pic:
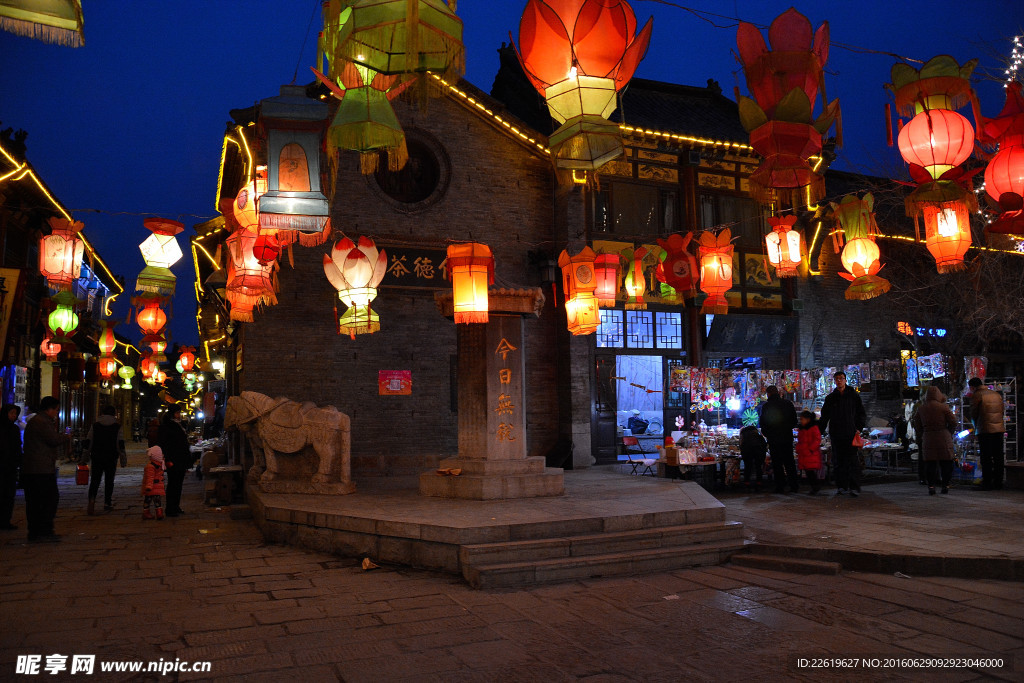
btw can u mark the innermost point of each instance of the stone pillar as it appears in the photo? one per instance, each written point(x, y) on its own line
point(492, 461)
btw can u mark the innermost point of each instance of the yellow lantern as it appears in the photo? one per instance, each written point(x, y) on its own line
point(60, 253)
point(355, 271)
point(784, 246)
point(579, 282)
point(471, 268)
point(635, 281)
point(860, 256)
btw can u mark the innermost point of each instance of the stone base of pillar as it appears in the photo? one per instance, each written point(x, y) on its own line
point(493, 479)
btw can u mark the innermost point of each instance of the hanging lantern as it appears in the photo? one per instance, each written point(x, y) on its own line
point(784, 245)
point(1004, 175)
point(578, 284)
point(106, 341)
point(715, 254)
point(355, 270)
point(150, 317)
point(244, 208)
point(860, 256)
point(606, 268)
point(266, 249)
point(780, 118)
point(50, 348)
point(471, 268)
point(947, 234)
point(126, 373)
point(157, 343)
point(63, 320)
point(107, 366)
point(160, 376)
point(242, 309)
point(678, 270)
point(394, 37)
point(60, 253)
point(579, 55)
point(147, 366)
point(937, 140)
point(292, 125)
point(248, 276)
point(187, 358)
point(635, 281)
point(160, 251)
point(58, 22)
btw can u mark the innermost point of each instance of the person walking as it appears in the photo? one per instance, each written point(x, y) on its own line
point(778, 418)
point(10, 461)
point(173, 443)
point(989, 426)
point(935, 424)
point(808, 449)
point(753, 450)
point(44, 444)
point(104, 446)
point(843, 416)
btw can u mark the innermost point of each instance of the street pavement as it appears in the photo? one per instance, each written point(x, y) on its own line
point(205, 587)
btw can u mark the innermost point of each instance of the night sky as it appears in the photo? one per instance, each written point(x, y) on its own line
point(131, 124)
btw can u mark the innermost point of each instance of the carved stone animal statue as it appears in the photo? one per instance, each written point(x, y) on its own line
point(276, 426)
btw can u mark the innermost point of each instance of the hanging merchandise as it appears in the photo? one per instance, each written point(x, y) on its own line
point(160, 251)
point(292, 127)
point(126, 373)
point(780, 118)
point(471, 268)
point(579, 54)
point(578, 284)
point(1004, 175)
point(934, 143)
point(355, 270)
point(715, 253)
point(678, 269)
point(860, 255)
point(635, 280)
point(60, 253)
point(784, 245)
point(606, 268)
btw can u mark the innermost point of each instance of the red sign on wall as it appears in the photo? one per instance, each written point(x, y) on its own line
point(394, 382)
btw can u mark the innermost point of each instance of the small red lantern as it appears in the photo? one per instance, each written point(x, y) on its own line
point(157, 343)
point(937, 140)
point(150, 317)
point(606, 268)
point(60, 253)
point(471, 266)
point(266, 249)
point(107, 366)
point(50, 348)
point(248, 276)
point(187, 358)
point(147, 366)
point(679, 269)
point(715, 253)
point(1004, 176)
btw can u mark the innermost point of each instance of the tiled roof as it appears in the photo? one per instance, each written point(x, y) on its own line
point(683, 109)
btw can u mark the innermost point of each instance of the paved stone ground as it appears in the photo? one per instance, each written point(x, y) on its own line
point(205, 587)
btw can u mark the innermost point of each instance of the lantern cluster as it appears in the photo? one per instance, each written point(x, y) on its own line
point(784, 82)
point(355, 270)
point(579, 282)
point(860, 254)
point(934, 143)
point(1004, 175)
point(579, 55)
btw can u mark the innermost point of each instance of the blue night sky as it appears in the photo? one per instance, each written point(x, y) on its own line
point(131, 124)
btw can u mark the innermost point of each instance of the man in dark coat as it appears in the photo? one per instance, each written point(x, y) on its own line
point(44, 444)
point(105, 446)
point(778, 419)
point(843, 415)
point(173, 441)
point(10, 461)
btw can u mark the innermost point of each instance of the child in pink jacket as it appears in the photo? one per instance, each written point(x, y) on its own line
point(153, 484)
point(808, 449)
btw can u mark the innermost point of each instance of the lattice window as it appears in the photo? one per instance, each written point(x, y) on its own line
point(609, 332)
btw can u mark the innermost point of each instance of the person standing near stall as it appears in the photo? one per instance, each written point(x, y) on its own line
point(935, 424)
point(778, 419)
point(843, 415)
point(44, 444)
point(989, 425)
point(173, 442)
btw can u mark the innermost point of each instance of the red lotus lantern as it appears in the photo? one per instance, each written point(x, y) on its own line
point(471, 266)
point(784, 246)
point(860, 256)
point(578, 283)
point(60, 253)
point(187, 358)
point(50, 348)
point(937, 140)
point(606, 269)
point(578, 55)
point(150, 317)
point(107, 366)
point(780, 119)
point(635, 280)
point(715, 254)
point(678, 270)
point(1004, 176)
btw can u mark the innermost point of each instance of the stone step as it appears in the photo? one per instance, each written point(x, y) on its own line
point(792, 565)
point(510, 552)
point(593, 566)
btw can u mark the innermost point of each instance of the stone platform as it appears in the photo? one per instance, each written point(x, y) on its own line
point(605, 524)
point(492, 479)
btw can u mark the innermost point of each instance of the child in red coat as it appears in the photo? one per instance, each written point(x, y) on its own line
point(153, 484)
point(808, 449)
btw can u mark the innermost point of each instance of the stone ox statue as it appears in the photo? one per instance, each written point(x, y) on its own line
point(275, 426)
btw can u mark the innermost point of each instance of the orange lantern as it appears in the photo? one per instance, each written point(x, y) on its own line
point(107, 366)
point(471, 268)
point(160, 377)
point(635, 280)
point(937, 140)
point(157, 343)
point(579, 283)
point(60, 253)
point(784, 245)
point(606, 269)
point(248, 276)
point(147, 366)
point(150, 317)
point(947, 229)
point(715, 254)
point(50, 348)
point(1004, 175)
point(860, 256)
point(187, 358)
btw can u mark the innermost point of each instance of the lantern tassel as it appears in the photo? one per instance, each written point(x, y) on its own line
point(291, 257)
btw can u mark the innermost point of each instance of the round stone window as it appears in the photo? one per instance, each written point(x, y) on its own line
point(421, 182)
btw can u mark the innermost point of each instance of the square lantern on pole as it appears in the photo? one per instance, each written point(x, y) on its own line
point(293, 125)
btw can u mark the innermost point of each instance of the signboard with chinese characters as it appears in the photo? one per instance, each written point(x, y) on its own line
point(753, 334)
point(394, 382)
point(505, 399)
point(414, 267)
